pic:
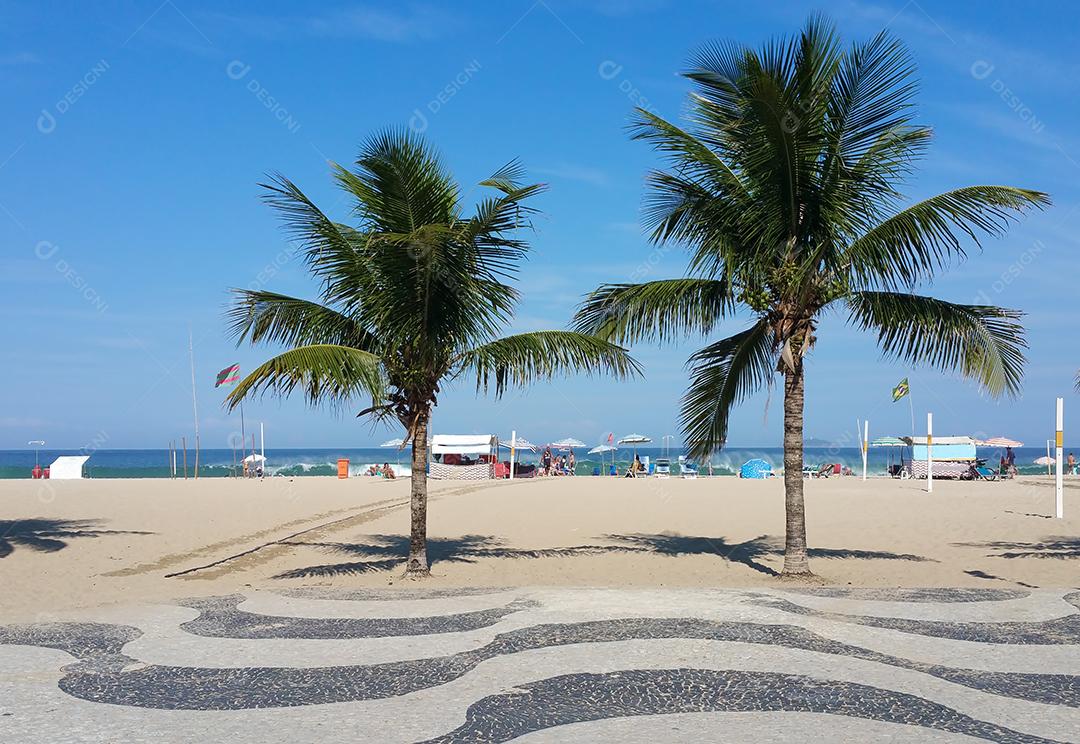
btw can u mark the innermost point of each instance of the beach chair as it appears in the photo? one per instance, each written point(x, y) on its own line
point(663, 468)
point(612, 470)
point(981, 472)
point(687, 469)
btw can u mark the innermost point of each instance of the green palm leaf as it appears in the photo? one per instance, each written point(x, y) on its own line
point(524, 358)
point(260, 316)
point(984, 343)
point(722, 375)
point(907, 247)
point(322, 372)
point(662, 310)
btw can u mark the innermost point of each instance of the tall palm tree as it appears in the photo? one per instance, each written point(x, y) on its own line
point(412, 297)
point(785, 186)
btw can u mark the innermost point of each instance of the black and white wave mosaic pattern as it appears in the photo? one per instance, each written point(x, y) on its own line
point(495, 665)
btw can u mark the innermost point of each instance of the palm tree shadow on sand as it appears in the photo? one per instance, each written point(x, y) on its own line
point(49, 535)
point(384, 552)
point(1050, 547)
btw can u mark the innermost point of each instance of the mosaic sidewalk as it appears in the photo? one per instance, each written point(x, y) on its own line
point(545, 665)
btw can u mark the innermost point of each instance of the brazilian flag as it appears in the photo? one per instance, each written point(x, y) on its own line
point(900, 390)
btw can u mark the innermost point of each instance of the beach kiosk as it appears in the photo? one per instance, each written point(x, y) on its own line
point(68, 467)
point(463, 456)
point(953, 456)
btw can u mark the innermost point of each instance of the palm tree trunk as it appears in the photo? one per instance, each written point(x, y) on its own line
point(417, 566)
point(795, 560)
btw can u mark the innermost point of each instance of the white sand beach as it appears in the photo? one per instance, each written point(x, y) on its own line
point(86, 543)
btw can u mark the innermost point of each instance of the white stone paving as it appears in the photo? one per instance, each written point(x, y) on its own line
point(34, 709)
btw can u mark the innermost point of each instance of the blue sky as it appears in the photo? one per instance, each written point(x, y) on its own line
point(135, 133)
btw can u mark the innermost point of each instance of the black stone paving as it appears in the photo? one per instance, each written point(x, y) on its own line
point(100, 675)
point(220, 618)
point(1058, 631)
point(589, 697)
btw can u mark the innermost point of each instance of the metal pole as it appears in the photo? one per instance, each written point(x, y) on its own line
point(865, 444)
point(194, 402)
point(183, 441)
point(1048, 458)
point(929, 453)
point(1060, 442)
point(513, 446)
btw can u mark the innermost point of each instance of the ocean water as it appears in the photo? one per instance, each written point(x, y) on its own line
point(218, 463)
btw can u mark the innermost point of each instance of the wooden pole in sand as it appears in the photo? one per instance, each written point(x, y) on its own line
point(1059, 440)
point(929, 453)
point(865, 444)
point(513, 446)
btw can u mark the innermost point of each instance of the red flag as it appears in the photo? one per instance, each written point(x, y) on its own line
point(611, 437)
point(229, 374)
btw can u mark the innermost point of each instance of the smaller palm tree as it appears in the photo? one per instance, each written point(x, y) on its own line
point(412, 297)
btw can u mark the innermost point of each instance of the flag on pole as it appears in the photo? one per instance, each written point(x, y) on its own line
point(229, 374)
point(611, 437)
point(900, 390)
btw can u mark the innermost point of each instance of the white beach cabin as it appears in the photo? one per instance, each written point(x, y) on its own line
point(68, 467)
point(463, 456)
point(953, 456)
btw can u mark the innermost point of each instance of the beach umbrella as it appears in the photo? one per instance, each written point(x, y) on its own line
point(1000, 442)
point(890, 442)
point(522, 444)
point(1044, 460)
point(567, 443)
point(602, 449)
point(635, 439)
point(755, 468)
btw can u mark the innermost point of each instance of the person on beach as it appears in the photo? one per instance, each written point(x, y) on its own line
point(545, 460)
point(388, 472)
point(1071, 462)
point(1010, 461)
point(571, 462)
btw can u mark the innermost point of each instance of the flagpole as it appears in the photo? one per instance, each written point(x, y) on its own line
point(194, 401)
point(911, 407)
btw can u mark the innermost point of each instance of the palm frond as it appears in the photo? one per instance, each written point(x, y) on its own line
point(524, 358)
point(908, 246)
point(721, 375)
point(324, 373)
point(981, 342)
point(260, 316)
point(662, 310)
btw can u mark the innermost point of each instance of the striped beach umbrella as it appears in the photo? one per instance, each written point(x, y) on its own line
point(1000, 442)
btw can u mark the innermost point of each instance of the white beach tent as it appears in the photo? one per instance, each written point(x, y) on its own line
point(463, 444)
point(69, 467)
